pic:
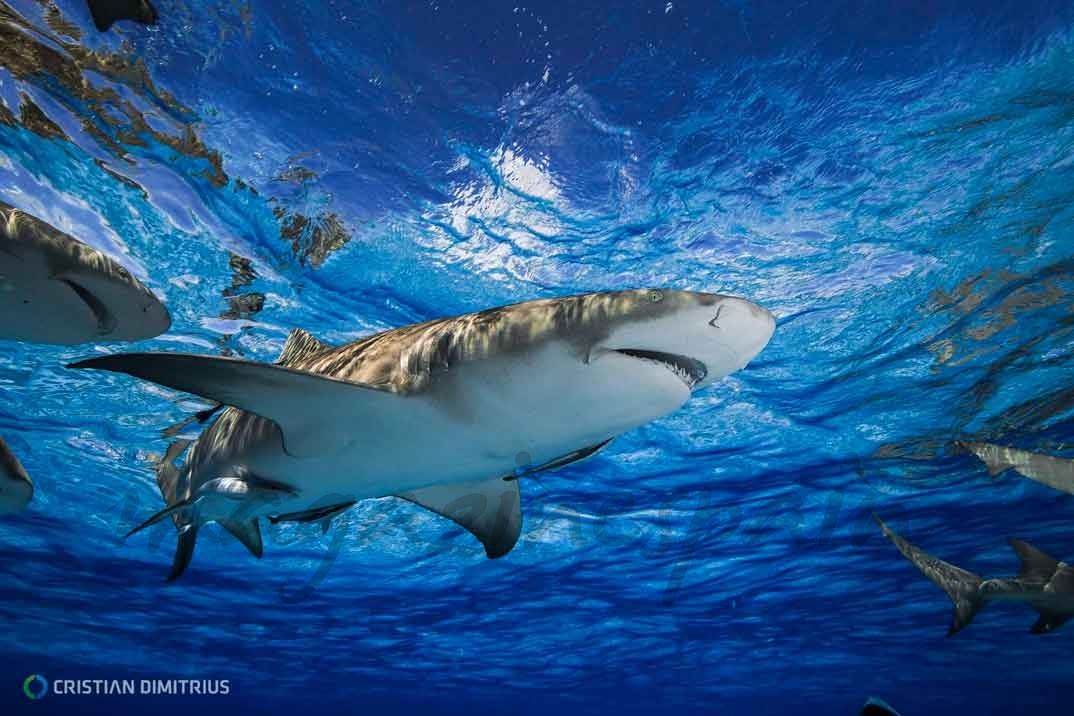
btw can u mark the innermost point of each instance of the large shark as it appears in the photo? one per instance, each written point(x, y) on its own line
point(16, 490)
point(1045, 583)
point(445, 414)
point(56, 289)
point(1055, 472)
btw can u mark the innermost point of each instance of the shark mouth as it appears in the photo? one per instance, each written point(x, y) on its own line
point(689, 370)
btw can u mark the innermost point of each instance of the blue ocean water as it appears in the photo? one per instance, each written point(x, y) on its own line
point(893, 181)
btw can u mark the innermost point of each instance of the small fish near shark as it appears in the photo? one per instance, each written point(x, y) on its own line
point(56, 289)
point(1044, 583)
point(1055, 472)
point(440, 413)
point(107, 12)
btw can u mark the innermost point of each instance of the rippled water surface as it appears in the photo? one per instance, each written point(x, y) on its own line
point(895, 183)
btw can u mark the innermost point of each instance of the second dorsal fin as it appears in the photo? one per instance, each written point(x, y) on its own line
point(1035, 563)
point(300, 344)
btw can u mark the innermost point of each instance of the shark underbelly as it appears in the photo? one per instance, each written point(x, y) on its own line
point(481, 420)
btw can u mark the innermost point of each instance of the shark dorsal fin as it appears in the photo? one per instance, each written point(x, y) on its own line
point(1035, 563)
point(489, 509)
point(299, 345)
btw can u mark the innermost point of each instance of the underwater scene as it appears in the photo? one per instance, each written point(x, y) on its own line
point(507, 357)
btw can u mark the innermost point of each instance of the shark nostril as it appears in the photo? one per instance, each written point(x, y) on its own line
point(714, 322)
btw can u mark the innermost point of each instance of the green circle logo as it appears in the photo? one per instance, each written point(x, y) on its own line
point(35, 687)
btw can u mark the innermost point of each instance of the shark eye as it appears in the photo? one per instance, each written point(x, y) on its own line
point(655, 296)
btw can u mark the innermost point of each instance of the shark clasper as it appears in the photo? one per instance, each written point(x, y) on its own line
point(440, 413)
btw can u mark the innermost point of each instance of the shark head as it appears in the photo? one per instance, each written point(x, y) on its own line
point(56, 289)
point(700, 337)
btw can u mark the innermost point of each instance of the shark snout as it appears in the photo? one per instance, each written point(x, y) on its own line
point(745, 328)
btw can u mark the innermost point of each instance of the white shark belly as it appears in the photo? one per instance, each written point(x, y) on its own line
point(483, 419)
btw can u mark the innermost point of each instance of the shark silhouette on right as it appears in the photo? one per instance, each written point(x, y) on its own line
point(1045, 583)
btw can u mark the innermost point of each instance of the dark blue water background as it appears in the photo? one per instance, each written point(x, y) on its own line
point(893, 181)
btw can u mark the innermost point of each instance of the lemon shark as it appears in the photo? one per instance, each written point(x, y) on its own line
point(446, 414)
point(56, 289)
point(1044, 583)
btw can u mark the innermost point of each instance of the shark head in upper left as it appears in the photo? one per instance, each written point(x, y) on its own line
point(56, 289)
point(445, 414)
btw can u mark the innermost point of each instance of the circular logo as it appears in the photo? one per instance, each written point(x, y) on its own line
point(35, 687)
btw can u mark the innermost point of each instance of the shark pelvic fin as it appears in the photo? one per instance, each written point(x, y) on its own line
point(301, 344)
point(960, 585)
point(1035, 563)
point(297, 401)
point(490, 510)
point(249, 533)
point(1049, 621)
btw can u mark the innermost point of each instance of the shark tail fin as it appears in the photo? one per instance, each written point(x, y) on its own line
point(960, 585)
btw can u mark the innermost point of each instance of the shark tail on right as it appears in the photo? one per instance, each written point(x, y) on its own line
point(961, 586)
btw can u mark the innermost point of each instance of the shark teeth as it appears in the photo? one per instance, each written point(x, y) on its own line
point(689, 370)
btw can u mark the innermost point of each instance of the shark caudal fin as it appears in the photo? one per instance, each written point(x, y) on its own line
point(960, 585)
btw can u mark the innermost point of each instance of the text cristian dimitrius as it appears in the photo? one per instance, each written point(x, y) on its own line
point(120, 687)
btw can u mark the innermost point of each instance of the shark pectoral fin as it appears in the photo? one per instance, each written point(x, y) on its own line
point(1049, 621)
point(248, 533)
point(490, 510)
point(304, 405)
point(1035, 563)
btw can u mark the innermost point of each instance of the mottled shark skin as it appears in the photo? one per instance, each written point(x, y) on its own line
point(16, 490)
point(444, 413)
point(1044, 583)
point(55, 289)
point(107, 12)
point(1055, 472)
